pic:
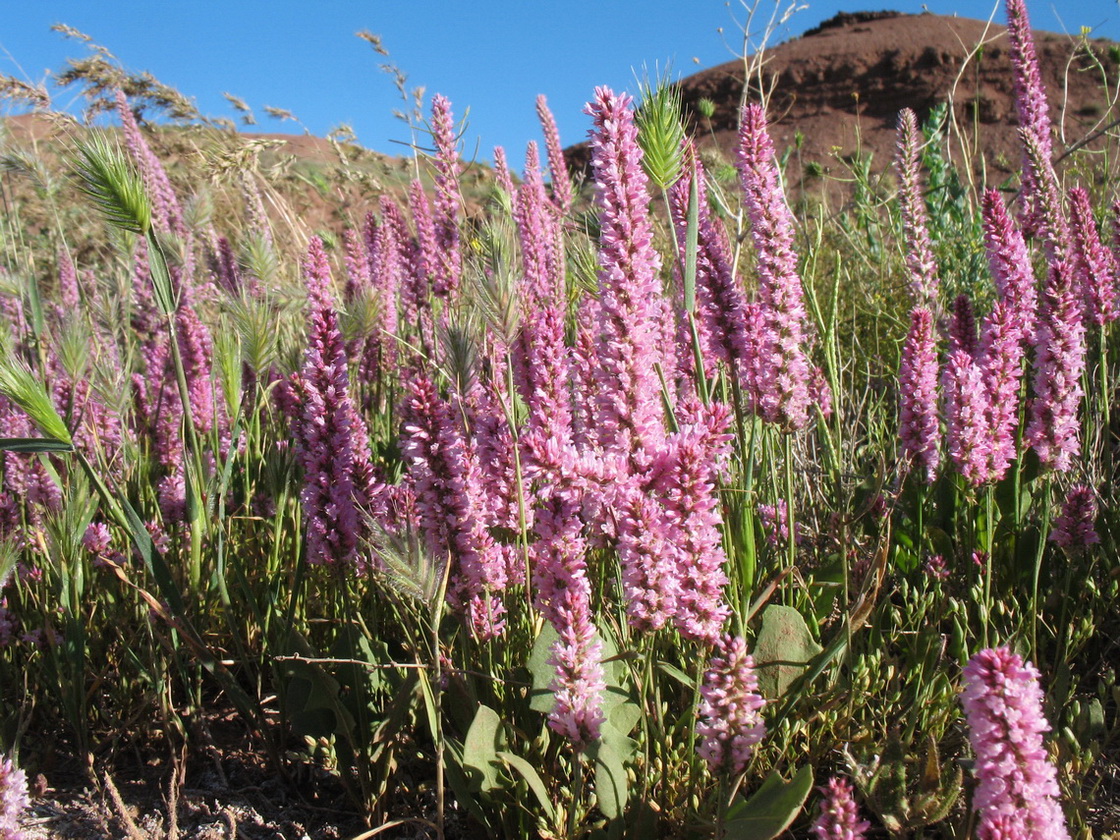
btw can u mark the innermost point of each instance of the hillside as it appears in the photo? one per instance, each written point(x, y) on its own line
point(841, 85)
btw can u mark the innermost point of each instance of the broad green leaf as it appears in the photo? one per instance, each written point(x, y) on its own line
point(460, 785)
point(772, 809)
point(314, 707)
point(480, 750)
point(611, 787)
point(541, 698)
point(782, 649)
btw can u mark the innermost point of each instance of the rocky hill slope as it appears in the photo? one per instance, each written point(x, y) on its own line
point(839, 87)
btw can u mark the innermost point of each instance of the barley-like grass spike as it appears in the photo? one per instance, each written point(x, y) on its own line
point(107, 178)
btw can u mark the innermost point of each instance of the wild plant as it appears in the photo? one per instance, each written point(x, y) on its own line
point(571, 515)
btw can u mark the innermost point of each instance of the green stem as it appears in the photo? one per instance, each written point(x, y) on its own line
point(1043, 535)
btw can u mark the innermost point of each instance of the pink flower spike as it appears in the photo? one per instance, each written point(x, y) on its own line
point(1094, 265)
point(1010, 265)
point(784, 375)
point(557, 166)
point(920, 261)
point(502, 174)
point(1053, 427)
point(919, 428)
point(448, 199)
point(1016, 786)
point(1075, 529)
point(628, 415)
point(839, 815)
point(730, 721)
point(1033, 114)
point(967, 409)
point(332, 442)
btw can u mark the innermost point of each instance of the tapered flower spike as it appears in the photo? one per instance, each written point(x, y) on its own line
point(646, 552)
point(544, 382)
point(387, 271)
point(332, 443)
point(1094, 265)
point(783, 394)
point(1017, 792)
point(920, 262)
point(448, 261)
point(967, 409)
point(1001, 358)
point(444, 475)
point(730, 721)
point(537, 231)
point(1075, 529)
point(962, 326)
point(694, 457)
point(919, 429)
point(721, 303)
point(356, 260)
point(564, 598)
point(1031, 108)
point(839, 815)
point(628, 410)
point(1010, 265)
point(1053, 427)
point(501, 173)
point(68, 292)
point(167, 213)
point(557, 166)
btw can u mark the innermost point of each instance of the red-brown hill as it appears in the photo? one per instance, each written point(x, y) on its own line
point(841, 86)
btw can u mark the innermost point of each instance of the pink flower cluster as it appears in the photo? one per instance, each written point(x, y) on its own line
point(839, 815)
point(721, 302)
point(13, 799)
point(919, 426)
point(1033, 113)
point(628, 413)
point(557, 167)
point(444, 477)
point(1016, 794)
point(920, 262)
point(332, 443)
point(782, 376)
point(730, 723)
point(1075, 528)
point(1053, 426)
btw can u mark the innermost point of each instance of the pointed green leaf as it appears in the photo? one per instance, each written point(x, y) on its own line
point(541, 698)
point(34, 445)
point(533, 779)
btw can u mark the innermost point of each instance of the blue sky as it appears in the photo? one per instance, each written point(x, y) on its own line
point(494, 56)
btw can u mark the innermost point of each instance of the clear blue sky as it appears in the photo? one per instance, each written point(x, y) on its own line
point(494, 56)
